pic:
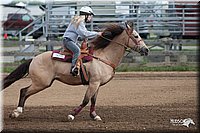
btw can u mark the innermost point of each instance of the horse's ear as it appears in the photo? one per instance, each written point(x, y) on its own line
point(129, 26)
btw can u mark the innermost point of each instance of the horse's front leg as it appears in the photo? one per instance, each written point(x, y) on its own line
point(92, 88)
point(93, 113)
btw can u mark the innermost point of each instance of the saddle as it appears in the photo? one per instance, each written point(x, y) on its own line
point(65, 55)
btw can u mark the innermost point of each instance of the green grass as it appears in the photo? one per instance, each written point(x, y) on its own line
point(157, 68)
point(161, 50)
point(9, 68)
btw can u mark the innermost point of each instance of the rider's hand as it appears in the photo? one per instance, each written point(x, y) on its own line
point(100, 33)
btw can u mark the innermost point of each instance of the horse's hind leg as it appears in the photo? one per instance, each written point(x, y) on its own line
point(24, 94)
point(20, 106)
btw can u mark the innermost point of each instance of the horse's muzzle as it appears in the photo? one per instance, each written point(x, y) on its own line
point(144, 51)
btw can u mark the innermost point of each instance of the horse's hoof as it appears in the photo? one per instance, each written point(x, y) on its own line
point(70, 117)
point(14, 114)
point(97, 118)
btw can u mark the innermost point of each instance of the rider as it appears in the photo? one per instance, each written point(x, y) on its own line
point(77, 29)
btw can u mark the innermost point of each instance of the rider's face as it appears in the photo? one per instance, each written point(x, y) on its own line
point(89, 19)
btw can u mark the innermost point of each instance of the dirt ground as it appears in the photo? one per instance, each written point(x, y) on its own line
point(131, 102)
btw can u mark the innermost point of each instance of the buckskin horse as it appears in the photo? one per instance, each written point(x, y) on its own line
point(108, 52)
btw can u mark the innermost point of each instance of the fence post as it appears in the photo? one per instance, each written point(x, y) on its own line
point(167, 59)
point(182, 58)
point(167, 42)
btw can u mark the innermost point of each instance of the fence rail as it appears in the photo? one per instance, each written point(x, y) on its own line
point(164, 55)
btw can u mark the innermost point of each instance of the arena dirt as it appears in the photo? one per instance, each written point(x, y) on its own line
point(130, 102)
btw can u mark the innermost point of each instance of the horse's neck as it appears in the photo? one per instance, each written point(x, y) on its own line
point(113, 52)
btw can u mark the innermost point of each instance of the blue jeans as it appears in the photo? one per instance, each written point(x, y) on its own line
point(72, 46)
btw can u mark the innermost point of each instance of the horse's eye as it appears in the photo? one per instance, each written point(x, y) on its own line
point(136, 36)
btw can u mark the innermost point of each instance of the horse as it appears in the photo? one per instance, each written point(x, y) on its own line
point(108, 53)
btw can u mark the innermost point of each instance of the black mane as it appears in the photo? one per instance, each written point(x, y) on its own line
point(110, 32)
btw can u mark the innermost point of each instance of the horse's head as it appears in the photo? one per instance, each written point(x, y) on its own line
point(131, 38)
point(135, 42)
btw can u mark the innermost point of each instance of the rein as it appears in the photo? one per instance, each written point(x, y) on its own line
point(104, 61)
point(115, 42)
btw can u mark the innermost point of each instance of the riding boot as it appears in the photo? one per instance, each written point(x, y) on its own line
point(74, 71)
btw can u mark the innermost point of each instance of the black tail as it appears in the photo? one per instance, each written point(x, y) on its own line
point(17, 74)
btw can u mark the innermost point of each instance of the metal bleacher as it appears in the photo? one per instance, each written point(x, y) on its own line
point(164, 18)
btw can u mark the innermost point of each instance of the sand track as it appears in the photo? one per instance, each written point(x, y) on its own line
point(130, 102)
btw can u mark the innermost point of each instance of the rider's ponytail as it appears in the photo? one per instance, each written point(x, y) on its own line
point(77, 19)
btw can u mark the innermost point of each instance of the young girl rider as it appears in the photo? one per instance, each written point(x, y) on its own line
point(76, 29)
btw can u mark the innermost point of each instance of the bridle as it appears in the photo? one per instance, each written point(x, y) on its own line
point(137, 42)
point(129, 33)
point(136, 47)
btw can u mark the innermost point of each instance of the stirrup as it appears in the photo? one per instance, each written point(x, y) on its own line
point(74, 71)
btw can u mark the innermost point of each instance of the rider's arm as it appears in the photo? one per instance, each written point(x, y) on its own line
point(83, 32)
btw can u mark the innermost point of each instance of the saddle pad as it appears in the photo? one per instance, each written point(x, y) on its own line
point(56, 55)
